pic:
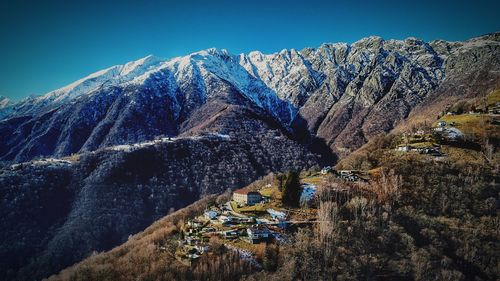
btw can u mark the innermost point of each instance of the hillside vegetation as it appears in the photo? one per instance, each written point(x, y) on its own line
point(90, 165)
point(56, 212)
point(417, 218)
point(150, 255)
point(427, 213)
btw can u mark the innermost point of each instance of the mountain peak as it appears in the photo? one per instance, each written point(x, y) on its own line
point(212, 51)
point(4, 101)
point(277, 72)
point(143, 62)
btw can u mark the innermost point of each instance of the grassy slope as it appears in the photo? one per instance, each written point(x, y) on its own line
point(493, 97)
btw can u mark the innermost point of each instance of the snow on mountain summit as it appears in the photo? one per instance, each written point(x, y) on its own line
point(340, 93)
point(139, 65)
point(4, 101)
point(288, 76)
point(5, 106)
point(107, 77)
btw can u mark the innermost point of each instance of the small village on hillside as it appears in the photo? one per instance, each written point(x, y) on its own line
point(455, 128)
point(254, 216)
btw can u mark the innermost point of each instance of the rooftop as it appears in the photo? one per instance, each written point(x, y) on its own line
point(245, 191)
point(258, 229)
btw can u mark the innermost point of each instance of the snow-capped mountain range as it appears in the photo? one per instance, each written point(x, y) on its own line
point(330, 92)
point(156, 134)
point(287, 76)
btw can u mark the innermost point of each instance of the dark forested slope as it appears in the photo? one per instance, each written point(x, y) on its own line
point(57, 212)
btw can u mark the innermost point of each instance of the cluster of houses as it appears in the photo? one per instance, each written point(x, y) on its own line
point(195, 240)
point(225, 222)
point(419, 137)
point(434, 151)
point(492, 109)
point(495, 109)
point(346, 175)
point(222, 221)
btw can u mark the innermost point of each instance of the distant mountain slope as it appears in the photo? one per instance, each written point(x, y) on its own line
point(56, 212)
point(342, 94)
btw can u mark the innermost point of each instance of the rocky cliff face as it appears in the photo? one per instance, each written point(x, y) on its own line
point(341, 94)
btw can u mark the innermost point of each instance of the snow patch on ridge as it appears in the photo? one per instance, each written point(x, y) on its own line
point(279, 82)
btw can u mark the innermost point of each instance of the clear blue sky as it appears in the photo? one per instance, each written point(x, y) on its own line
point(47, 44)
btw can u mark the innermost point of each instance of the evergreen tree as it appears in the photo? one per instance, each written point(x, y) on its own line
point(280, 180)
point(270, 260)
point(291, 189)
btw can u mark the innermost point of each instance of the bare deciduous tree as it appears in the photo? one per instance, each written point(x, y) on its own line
point(328, 216)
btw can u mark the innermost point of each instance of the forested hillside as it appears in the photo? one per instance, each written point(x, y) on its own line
point(419, 217)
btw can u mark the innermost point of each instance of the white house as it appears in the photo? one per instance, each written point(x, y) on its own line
point(450, 133)
point(192, 241)
point(211, 215)
point(348, 175)
point(202, 248)
point(225, 219)
point(277, 215)
point(420, 132)
point(404, 148)
point(257, 234)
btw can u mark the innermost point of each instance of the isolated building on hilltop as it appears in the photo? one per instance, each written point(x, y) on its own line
point(244, 196)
